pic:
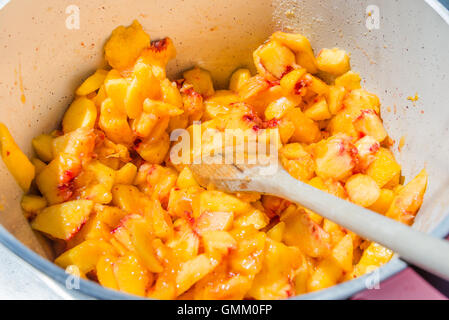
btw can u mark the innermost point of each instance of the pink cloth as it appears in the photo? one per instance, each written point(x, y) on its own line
point(407, 285)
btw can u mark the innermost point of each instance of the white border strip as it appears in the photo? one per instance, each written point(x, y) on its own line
point(3, 3)
point(440, 9)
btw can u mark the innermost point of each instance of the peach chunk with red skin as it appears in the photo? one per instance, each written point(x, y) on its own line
point(275, 280)
point(156, 181)
point(273, 60)
point(408, 201)
point(367, 148)
point(62, 221)
point(335, 157)
point(247, 258)
point(303, 232)
point(273, 205)
point(180, 200)
point(71, 151)
point(370, 124)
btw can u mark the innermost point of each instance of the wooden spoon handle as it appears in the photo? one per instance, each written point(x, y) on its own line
point(418, 248)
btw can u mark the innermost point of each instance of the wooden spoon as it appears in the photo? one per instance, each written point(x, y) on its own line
point(420, 249)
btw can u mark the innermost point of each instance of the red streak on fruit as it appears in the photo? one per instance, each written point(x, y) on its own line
point(151, 170)
point(288, 69)
point(341, 148)
point(273, 123)
point(301, 85)
point(273, 83)
point(189, 217)
point(364, 113)
point(137, 143)
point(179, 83)
point(76, 230)
point(353, 151)
point(249, 117)
point(374, 148)
point(68, 176)
point(8, 153)
point(159, 45)
point(258, 123)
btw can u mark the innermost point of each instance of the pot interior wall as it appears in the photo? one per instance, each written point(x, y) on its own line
point(43, 62)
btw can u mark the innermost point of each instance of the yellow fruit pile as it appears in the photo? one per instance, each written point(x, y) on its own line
point(107, 192)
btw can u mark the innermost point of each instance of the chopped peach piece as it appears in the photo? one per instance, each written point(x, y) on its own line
point(105, 272)
point(304, 233)
point(362, 190)
point(273, 60)
point(217, 241)
point(324, 276)
point(194, 270)
point(143, 85)
point(335, 98)
point(297, 161)
point(334, 61)
point(342, 253)
point(86, 255)
point(370, 124)
point(214, 221)
point(217, 201)
point(373, 257)
point(350, 81)
point(319, 110)
point(238, 79)
point(335, 157)
point(301, 46)
point(383, 168)
point(126, 174)
point(384, 201)
point(114, 123)
point(201, 81)
point(306, 130)
point(63, 220)
point(82, 113)
point(125, 45)
point(291, 82)
point(186, 179)
point(32, 204)
point(274, 281)
point(407, 202)
point(278, 108)
point(277, 232)
point(254, 218)
point(43, 146)
point(132, 277)
point(93, 83)
point(367, 148)
point(247, 259)
point(15, 160)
